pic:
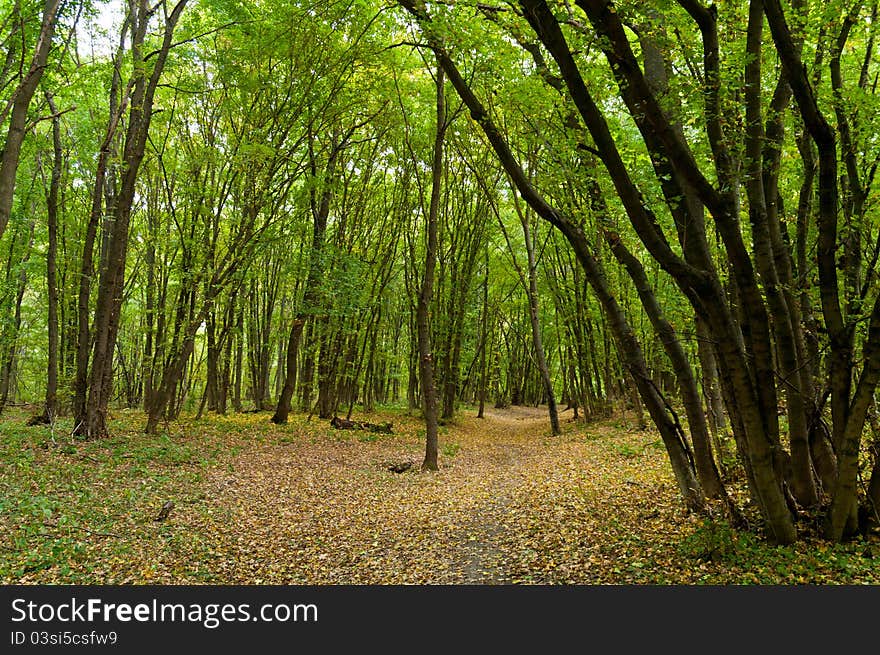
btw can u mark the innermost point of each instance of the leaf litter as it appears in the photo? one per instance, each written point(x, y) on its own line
point(303, 503)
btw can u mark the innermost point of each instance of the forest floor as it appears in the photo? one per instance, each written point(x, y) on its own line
point(304, 503)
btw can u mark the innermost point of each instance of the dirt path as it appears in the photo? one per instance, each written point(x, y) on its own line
point(481, 558)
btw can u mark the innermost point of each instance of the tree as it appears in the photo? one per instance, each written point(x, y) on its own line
point(50, 407)
point(94, 386)
point(426, 359)
point(20, 101)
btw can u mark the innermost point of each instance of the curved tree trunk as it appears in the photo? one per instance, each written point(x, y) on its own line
point(690, 396)
point(21, 100)
point(11, 332)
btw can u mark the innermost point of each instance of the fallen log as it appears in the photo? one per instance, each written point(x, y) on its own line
point(345, 424)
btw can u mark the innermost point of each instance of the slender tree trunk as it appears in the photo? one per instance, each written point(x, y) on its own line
point(535, 321)
point(801, 470)
point(50, 409)
point(239, 360)
point(21, 100)
point(629, 347)
point(484, 334)
point(872, 506)
point(423, 326)
point(229, 331)
point(149, 312)
point(847, 414)
point(10, 356)
point(92, 423)
point(717, 420)
point(331, 347)
point(690, 396)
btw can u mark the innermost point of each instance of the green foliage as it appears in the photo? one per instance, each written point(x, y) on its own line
point(627, 451)
point(747, 559)
point(80, 509)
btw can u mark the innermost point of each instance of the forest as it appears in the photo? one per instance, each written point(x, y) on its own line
point(448, 291)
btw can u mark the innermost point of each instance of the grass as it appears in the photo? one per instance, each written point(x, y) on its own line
point(77, 507)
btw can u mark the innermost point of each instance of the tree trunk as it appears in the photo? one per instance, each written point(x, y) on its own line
point(690, 396)
point(756, 401)
point(50, 409)
point(11, 341)
point(239, 360)
point(21, 100)
point(423, 326)
point(92, 423)
point(717, 420)
point(535, 321)
point(484, 334)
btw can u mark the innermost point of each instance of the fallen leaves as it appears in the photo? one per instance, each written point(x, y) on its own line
point(302, 503)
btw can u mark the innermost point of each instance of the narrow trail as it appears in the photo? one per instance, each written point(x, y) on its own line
point(480, 560)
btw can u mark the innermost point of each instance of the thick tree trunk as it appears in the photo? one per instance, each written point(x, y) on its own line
point(92, 422)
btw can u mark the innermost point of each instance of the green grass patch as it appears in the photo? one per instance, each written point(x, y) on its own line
point(744, 558)
point(74, 511)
